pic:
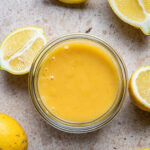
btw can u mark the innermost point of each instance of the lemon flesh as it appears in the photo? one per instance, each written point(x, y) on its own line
point(143, 85)
point(139, 88)
point(12, 136)
point(134, 12)
point(72, 1)
point(20, 47)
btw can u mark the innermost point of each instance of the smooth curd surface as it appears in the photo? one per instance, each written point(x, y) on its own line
point(78, 82)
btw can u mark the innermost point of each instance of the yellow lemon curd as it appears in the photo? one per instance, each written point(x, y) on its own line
point(78, 81)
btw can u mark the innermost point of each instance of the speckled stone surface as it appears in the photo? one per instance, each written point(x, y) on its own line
point(130, 129)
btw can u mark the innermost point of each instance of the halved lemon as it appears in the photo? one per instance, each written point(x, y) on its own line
point(19, 48)
point(72, 1)
point(139, 88)
point(133, 12)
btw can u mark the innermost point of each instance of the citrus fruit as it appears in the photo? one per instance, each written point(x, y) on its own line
point(139, 88)
point(133, 12)
point(19, 48)
point(12, 136)
point(72, 1)
point(144, 149)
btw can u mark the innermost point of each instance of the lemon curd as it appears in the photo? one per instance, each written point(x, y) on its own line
point(78, 81)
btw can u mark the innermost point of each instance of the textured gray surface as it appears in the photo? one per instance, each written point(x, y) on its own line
point(130, 129)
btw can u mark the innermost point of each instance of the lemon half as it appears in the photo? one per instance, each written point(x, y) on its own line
point(139, 88)
point(133, 12)
point(19, 48)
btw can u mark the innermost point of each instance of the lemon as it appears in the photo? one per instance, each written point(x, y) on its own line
point(72, 1)
point(12, 136)
point(144, 149)
point(139, 88)
point(133, 12)
point(19, 48)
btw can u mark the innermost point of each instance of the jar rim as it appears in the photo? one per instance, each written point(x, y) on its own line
point(68, 126)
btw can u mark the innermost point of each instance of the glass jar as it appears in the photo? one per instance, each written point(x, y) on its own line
point(72, 127)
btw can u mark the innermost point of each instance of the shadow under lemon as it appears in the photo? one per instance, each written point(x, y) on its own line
point(16, 82)
point(139, 119)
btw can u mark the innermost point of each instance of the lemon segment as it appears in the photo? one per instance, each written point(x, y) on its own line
point(133, 12)
point(72, 1)
point(20, 47)
point(131, 9)
point(143, 86)
point(12, 136)
point(146, 4)
point(139, 88)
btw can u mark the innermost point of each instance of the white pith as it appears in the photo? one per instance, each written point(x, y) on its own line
point(135, 86)
point(145, 25)
point(5, 63)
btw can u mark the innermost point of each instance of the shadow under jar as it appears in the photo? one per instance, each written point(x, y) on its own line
point(78, 83)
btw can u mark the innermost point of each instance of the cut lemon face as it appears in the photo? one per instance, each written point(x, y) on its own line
point(133, 12)
point(72, 1)
point(139, 88)
point(19, 48)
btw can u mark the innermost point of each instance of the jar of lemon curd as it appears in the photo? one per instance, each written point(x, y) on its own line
point(78, 83)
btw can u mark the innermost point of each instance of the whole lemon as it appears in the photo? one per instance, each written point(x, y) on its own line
point(73, 1)
point(12, 136)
